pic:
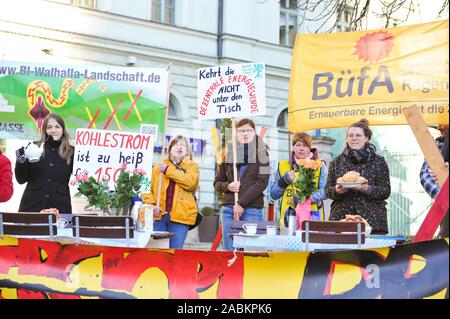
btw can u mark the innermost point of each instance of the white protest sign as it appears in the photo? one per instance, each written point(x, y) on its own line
point(101, 153)
point(229, 91)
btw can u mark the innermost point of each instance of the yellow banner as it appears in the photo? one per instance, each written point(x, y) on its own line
point(339, 78)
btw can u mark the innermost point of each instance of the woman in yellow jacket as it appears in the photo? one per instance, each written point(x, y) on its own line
point(177, 209)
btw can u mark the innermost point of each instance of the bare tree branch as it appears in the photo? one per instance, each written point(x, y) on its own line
point(444, 8)
point(327, 14)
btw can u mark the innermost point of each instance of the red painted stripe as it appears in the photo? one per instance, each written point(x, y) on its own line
point(218, 238)
point(132, 104)
point(327, 290)
point(112, 115)
point(95, 116)
point(434, 216)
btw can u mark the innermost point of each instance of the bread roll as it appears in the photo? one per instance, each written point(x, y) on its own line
point(354, 218)
point(350, 176)
point(361, 179)
point(54, 211)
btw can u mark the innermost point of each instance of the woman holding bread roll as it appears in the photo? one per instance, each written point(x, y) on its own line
point(359, 163)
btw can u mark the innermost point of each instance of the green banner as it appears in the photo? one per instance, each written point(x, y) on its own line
point(86, 96)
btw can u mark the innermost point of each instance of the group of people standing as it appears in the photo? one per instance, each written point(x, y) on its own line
point(177, 178)
point(253, 174)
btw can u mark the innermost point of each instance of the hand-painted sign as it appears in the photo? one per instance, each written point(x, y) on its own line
point(339, 78)
point(44, 269)
point(231, 91)
point(101, 153)
point(86, 96)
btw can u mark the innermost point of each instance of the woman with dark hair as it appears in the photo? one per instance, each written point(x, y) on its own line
point(253, 171)
point(48, 177)
point(369, 199)
point(177, 209)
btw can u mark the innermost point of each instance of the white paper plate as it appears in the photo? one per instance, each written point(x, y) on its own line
point(351, 184)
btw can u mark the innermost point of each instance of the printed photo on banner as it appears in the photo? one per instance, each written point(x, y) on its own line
point(86, 96)
point(339, 78)
point(102, 154)
point(229, 91)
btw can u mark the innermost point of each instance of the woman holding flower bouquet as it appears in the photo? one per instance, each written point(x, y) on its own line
point(360, 159)
point(300, 181)
point(253, 170)
point(180, 176)
point(48, 177)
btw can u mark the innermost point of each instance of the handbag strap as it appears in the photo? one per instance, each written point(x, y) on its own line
point(178, 166)
point(184, 171)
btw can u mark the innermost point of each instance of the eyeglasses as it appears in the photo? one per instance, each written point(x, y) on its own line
point(245, 131)
point(180, 144)
point(355, 135)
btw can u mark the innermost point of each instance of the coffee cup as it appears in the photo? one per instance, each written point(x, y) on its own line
point(33, 152)
point(271, 230)
point(250, 228)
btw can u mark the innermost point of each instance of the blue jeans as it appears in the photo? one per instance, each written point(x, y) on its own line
point(180, 230)
point(226, 217)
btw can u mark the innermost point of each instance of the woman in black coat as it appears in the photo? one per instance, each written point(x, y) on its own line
point(369, 199)
point(48, 178)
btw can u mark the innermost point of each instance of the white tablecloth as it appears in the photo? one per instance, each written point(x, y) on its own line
point(294, 243)
point(140, 239)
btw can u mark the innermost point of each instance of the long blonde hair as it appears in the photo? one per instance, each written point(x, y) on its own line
point(65, 150)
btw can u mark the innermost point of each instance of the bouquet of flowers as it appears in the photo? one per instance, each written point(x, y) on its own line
point(304, 187)
point(96, 192)
point(128, 185)
point(305, 183)
point(99, 195)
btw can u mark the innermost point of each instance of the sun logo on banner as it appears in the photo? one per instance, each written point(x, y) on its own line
point(375, 46)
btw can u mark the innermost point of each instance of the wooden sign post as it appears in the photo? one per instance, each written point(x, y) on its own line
point(233, 137)
point(436, 162)
point(426, 142)
point(163, 150)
